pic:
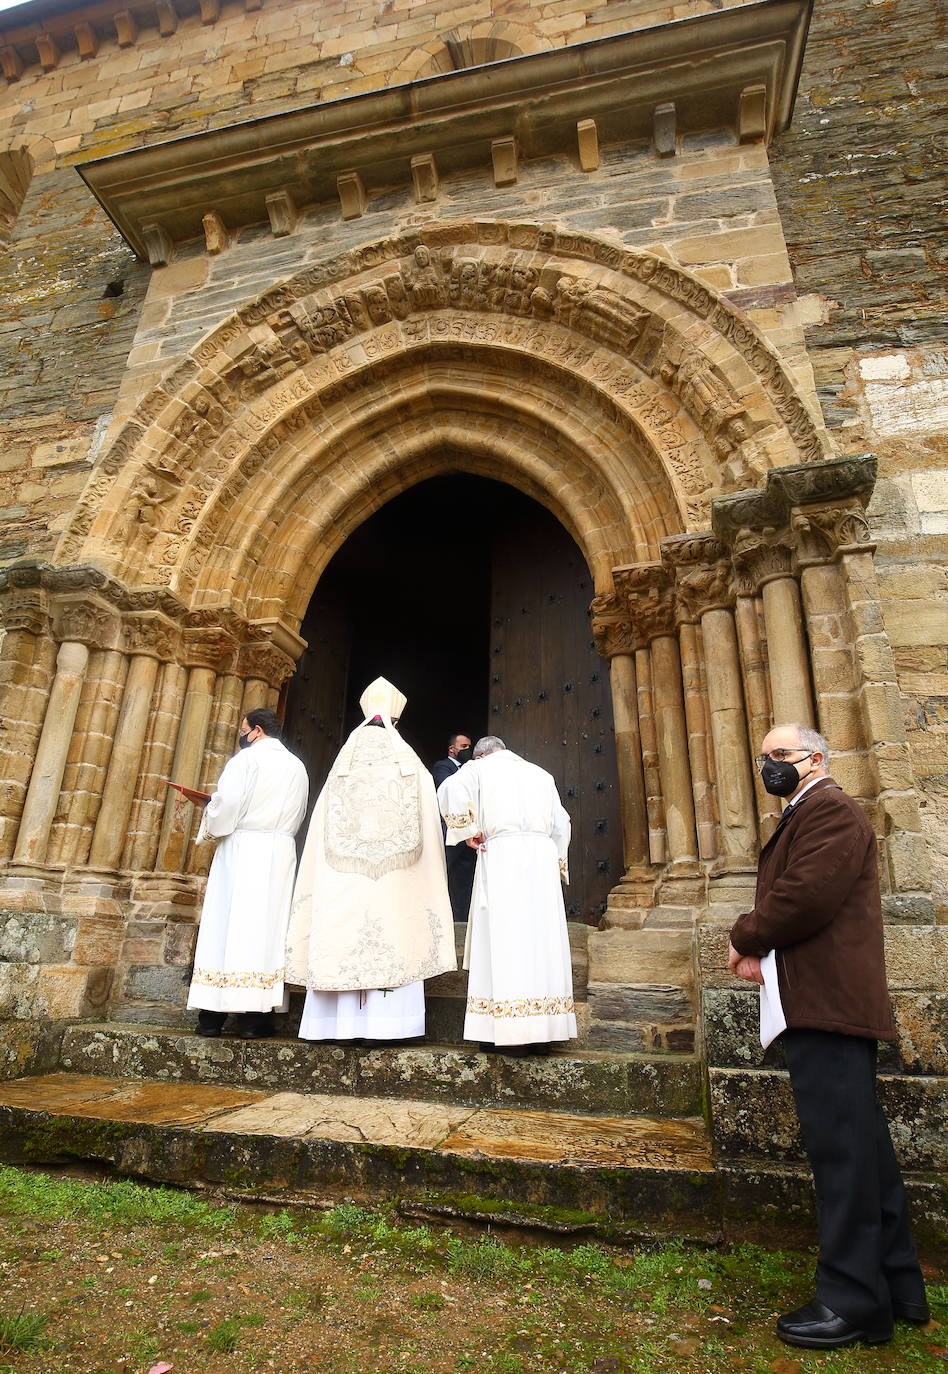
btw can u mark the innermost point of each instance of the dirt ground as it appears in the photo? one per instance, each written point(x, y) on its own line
point(101, 1277)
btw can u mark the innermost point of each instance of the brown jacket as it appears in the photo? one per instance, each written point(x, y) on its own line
point(817, 903)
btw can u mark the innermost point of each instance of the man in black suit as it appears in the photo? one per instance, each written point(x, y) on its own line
point(461, 860)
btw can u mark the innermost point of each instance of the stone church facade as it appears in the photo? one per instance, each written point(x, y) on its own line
point(671, 270)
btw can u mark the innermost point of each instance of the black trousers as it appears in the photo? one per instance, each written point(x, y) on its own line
point(867, 1256)
point(461, 860)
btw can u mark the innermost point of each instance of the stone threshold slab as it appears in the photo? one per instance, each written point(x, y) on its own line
point(548, 1137)
point(572, 1081)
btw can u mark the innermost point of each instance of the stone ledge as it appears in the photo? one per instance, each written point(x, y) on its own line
point(668, 1086)
point(754, 1115)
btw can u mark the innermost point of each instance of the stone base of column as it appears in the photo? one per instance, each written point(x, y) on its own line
point(159, 895)
point(630, 902)
point(730, 892)
point(30, 887)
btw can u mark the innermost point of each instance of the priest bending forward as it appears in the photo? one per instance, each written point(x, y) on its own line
point(257, 809)
point(520, 990)
point(371, 914)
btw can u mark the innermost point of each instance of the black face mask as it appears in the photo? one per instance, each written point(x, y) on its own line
point(464, 755)
point(780, 779)
point(244, 741)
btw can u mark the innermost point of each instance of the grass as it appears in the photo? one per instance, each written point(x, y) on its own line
point(22, 1331)
point(357, 1289)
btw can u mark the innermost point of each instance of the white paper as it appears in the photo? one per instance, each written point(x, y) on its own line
point(772, 1020)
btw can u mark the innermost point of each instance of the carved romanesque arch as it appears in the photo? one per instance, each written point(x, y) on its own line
point(614, 387)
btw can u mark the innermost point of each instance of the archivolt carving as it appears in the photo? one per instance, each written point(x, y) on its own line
point(604, 314)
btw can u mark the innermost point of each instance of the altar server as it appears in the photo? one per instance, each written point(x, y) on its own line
point(255, 812)
point(371, 915)
point(520, 990)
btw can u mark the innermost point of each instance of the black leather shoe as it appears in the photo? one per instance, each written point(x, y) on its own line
point(209, 1032)
point(818, 1328)
point(917, 1312)
point(255, 1033)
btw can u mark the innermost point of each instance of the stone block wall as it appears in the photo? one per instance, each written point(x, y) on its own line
point(860, 185)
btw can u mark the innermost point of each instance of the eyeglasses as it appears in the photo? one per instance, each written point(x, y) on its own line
point(780, 756)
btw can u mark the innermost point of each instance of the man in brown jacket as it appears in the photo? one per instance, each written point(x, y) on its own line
point(818, 907)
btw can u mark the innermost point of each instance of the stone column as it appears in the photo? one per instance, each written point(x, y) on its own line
point(747, 618)
point(27, 664)
point(221, 743)
point(767, 562)
point(151, 795)
point(705, 590)
point(696, 720)
point(148, 639)
point(204, 651)
point(654, 801)
point(49, 765)
point(652, 606)
point(614, 639)
point(86, 767)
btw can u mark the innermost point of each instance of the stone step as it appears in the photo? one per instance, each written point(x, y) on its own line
point(591, 1082)
point(642, 1174)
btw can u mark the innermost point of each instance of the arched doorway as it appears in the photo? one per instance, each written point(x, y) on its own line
point(474, 600)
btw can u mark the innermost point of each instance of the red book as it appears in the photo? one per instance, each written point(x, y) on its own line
point(191, 793)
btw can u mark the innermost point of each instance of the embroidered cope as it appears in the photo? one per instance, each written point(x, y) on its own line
point(371, 908)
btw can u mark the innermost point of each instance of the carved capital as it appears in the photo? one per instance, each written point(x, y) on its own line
point(85, 621)
point(702, 572)
point(151, 634)
point(266, 662)
point(759, 558)
point(824, 532)
point(650, 597)
point(25, 610)
point(210, 647)
point(611, 626)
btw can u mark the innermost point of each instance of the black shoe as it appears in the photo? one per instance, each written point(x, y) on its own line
point(256, 1032)
point(514, 1051)
point(917, 1312)
point(210, 1032)
point(817, 1328)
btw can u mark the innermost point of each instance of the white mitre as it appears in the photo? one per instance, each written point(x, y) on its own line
point(383, 699)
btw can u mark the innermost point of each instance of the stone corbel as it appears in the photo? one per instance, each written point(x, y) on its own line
point(424, 175)
point(126, 29)
point(48, 51)
point(87, 40)
point(283, 213)
point(216, 237)
point(11, 62)
point(167, 18)
point(665, 129)
point(752, 113)
point(210, 11)
point(158, 245)
point(503, 153)
point(587, 137)
point(352, 196)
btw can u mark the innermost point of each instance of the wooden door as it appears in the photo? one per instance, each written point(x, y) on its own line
point(549, 690)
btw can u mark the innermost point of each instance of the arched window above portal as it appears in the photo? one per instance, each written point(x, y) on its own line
point(459, 49)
